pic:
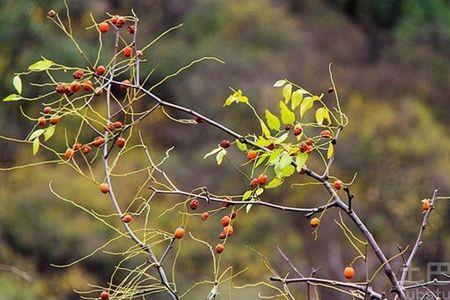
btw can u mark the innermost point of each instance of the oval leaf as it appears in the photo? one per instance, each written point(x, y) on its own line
point(17, 82)
point(287, 116)
point(35, 146)
point(287, 92)
point(279, 83)
point(220, 156)
point(330, 151)
point(297, 97)
point(12, 97)
point(272, 120)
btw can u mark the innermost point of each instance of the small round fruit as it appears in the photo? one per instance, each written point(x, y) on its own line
point(98, 141)
point(104, 187)
point(51, 13)
point(225, 221)
point(125, 84)
point(228, 230)
point(252, 155)
point(139, 53)
point(198, 120)
point(225, 144)
point(120, 22)
point(127, 51)
point(118, 124)
point(337, 184)
point(309, 142)
point(54, 120)
point(262, 179)
point(314, 222)
point(47, 110)
point(194, 204)
point(287, 127)
point(298, 129)
point(179, 233)
point(103, 27)
point(42, 121)
point(100, 70)
point(127, 218)
point(254, 183)
point(349, 272)
point(222, 235)
point(77, 146)
point(233, 215)
point(69, 153)
point(330, 90)
point(131, 29)
point(61, 88)
point(86, 149)
point(75, 86)
point(121, 142)
point(114, 19)
point(219, 248)
point(87, 85)
point(204, 216)
point(325, 134)
point(110, 127)
point(426, 204)
point(104, 295)
point(78, 74)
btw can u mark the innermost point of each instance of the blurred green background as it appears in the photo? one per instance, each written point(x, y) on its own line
point(391, 62)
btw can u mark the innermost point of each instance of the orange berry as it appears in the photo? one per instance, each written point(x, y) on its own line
point(326, 134)
point(87, 85)
point(225, 221)
point(121, 142)
point(127, 218)
point(78, 74)
point(252, 155)
point(61, 88)
point(69, 153)
point(104, 187)
point(204, 216)
point(77, 146)
point(426, 204)
point(103, 27)
point(42, 121)
point(262, 179)
point(139, 53)
point(120, 22)
point(127, 51)
point(86, 149)
point(228, 230)
point(54, 120)
point(98, 141)
point(125, 84)
point(337, 184)
point(118, 124)
point(75, 86)
point(104, 295)
point(219, 248)
point(349, 272)
point(179, 233)
point(254, 183)
point(314, 222)
point(114, 19)
point(100, 70)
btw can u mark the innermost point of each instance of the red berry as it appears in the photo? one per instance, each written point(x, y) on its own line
point(104, 295)
point(86, 149)
point(225, 221)
point(98, 141)
point(77, 146)
point(262, 179)
point(127, 218)
point(104, 187)
point(309, 142)
point(204, 216)
point(118, 124)
point(75, 86)
point(349, 272)
point(47, 110)
point(139, 53)
point(103, 27)
point(228, 230)
point(225, 144)
point(110, 127)
point(219, 248)
point(125, 84)
point(298, 129)
point(254, 183)
point(426, 204)
point(222, 235)
point(61, 88)
point(114, 19)
point(337, 184)
point(100, 70)
point(78, 74)
point(325, 133)
point(252, 155)
point(287, 127)
point(198, 119)
point(127, 51)
point(69, 153)
point(120, 22)
point(87, 85)
point(194, 204)
point(54, 120)
point(233, 215)
point(131, 29)
point(121, 142)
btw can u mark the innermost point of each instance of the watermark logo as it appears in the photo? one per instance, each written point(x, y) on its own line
point(430, 288)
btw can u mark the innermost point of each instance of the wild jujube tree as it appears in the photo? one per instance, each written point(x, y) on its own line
point(106, 101)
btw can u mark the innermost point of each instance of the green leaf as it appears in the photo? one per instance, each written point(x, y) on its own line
point(306, 105)
point(272, 120)
point(274, 183)
point(326, 115)
point(17, 82)
point(248, 207)
point(220, 156)
point(282, 138)
point(300, 160)
point(275, 156)
point(212, 152)
point(36, 134)
point(241, 146)
point(297, 97)
point(279, 83)
point(287, 116)
point(287, 92)
point(36, 146)
point(259, 191)
point(264, 129)
point(330, 151)
point(319, 116)
point(247, 195)
point(237, 96)
point(41, 65)
point(283, 171)
point(261, 159)
point(285, 160)
point(12, 97)
point(49, 132)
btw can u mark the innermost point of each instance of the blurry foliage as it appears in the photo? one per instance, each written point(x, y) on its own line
point(398, 144)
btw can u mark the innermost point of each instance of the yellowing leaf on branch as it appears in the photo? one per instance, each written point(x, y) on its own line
point(330, 151)
point(220, 155)
point(12, 97)
point(264, 129)
point(279, 83)
point(287, 116)
point(237, 97)
point(41, 65)
point(17, 83)
point(272, 120)
point(35, 146)
point(297, 97)
point(287, 92)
